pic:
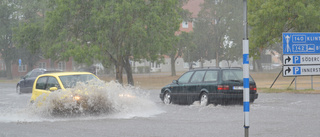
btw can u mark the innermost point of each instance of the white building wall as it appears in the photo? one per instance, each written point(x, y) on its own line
point(182, 66)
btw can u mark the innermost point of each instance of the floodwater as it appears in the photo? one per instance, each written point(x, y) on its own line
point(107, 100)
point(272, 114)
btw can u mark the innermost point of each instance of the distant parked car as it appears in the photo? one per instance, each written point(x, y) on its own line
point(211, 85)
point(91, 69)
point(26, 82)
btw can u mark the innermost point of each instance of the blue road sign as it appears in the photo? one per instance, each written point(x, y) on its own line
point(301, 43)
point(19, 62)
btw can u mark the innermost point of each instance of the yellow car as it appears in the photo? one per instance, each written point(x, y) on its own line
point(61, 85)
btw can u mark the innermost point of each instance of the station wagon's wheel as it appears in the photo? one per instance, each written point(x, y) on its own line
point(204, 99)
point(18, 89)
point(251, 100)
point(167, 98)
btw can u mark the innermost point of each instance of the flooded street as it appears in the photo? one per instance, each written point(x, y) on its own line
point(272, 114)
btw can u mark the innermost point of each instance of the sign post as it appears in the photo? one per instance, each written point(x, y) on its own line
point(246, 94)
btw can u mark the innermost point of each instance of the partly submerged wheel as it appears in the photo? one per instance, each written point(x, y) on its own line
point(167, 98)
point(18, 89)
point(204, 99)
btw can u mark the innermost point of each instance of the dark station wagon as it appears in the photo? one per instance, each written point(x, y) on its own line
point(208, 85)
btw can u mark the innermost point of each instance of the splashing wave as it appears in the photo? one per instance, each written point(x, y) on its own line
point(99, 100)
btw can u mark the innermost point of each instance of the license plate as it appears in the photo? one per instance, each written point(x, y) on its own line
point(237, 87)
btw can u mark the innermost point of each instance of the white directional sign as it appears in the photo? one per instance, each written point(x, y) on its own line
point(301, 60)
point(305, 70)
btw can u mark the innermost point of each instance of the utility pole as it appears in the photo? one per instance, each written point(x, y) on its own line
point(246, 90)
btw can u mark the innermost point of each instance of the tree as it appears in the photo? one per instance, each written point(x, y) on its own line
point(118, 31)
point(216, 20)
point(184, 42)
point(8, 20)
point(28, 35)
point(179, 45)
point(270, 18)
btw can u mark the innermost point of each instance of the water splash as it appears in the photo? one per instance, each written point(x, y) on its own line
point(100, 101)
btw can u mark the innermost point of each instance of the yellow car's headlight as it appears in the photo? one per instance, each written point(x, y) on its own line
point(126, 95)
point(76, 97)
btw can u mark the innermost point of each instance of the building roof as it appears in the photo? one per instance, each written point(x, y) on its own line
point(194, 7)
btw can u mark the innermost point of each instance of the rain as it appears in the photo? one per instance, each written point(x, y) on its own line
point(146, 55)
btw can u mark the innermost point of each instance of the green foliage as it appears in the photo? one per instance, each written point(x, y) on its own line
point(28, 34)
point(8, 20)
point(216, 20)
point(110, 31)
point(270, 18)
point(188, 46)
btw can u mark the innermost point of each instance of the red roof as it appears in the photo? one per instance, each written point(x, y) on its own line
point(193, 6)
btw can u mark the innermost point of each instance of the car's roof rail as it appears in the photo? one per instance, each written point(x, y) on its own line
point(205, 68)
point(214, 67)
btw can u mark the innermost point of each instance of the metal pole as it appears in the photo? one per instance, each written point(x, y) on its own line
point(295, 83)
point(246, 90)
point(276, 78)
point(292, 82)
point(312, 82)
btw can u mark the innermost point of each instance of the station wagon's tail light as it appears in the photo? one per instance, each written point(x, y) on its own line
point(223, 87)
point(253, 88)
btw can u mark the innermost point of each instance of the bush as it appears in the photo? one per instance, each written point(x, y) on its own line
point(147, 69)
point(140, 69)
point(133, 69)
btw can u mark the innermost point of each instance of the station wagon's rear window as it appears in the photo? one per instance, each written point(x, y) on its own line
point(211, 76)
point(197, 76)
point(233, 75)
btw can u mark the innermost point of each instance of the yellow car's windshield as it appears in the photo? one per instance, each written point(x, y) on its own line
point(70, 81)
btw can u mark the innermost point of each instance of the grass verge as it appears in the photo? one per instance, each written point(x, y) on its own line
point(288, 90)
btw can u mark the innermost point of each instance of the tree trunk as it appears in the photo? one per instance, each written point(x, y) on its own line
point(201, 62)
point(190, 65)
point(127, 67)
point(119, 74)
point(254, 65)
point(257, 65)
point(8, 69)
point(217, 59)
point(30, 66)
point(173, 66)
point(51, 64)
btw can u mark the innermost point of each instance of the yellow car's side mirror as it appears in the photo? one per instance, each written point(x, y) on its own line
point(53, 89)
